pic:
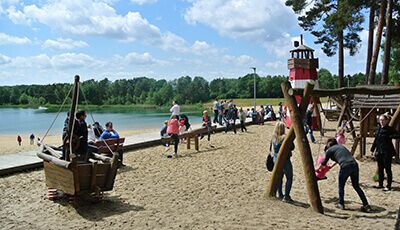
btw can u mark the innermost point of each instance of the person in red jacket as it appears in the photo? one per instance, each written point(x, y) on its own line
point(19, 139)
point(173, 132)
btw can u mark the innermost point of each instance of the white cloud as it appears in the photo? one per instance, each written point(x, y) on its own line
point(4, 59)
point(202, 47)
point(242, 60)
point(141, 2)
point(43, 61)
point(87, 17)
point(6, 39)
point(64, 44)
point(250, 19)
point(142, 59)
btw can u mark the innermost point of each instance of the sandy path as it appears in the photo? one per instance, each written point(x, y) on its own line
point(219, 188)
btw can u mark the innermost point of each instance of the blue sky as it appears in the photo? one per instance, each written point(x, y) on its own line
point(49, 41)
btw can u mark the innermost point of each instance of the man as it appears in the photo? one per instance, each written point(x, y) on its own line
point(175, 109)
point(110, 133)
point(215, 108)
point(81, 131)
point(348, 168)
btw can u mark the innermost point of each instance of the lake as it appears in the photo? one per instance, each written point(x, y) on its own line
point(26, 121)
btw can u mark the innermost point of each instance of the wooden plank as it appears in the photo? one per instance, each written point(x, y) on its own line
point(94, 174)
point(59, 178)
point(351, 91)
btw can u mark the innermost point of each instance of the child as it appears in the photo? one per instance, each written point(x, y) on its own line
point(321, 170)
point(340, 137)
point(163, 134)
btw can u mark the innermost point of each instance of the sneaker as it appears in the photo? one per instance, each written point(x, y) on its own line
point(366, 208)
point(339, 206)
point(387, 189)
point(175, 155)
point(287, 199)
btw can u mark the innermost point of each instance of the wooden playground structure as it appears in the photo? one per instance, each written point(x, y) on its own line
point(77, 175)
point(367, 126)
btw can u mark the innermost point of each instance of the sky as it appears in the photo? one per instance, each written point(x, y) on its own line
point(50, 41)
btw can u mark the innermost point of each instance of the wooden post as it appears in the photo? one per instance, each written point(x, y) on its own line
point(196, 142)
point(187, 142)
point(304, 149)
point(68, 150)
point(356, 141)
point(285, 147)
point(361, 146)
point(321, 129)
point(343, 113)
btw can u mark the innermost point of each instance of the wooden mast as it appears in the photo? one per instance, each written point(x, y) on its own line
point(285, 147)
point(304, 149)
point(72, 111)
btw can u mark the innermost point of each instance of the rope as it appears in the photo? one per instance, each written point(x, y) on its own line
point(91, 115)
point(58, 113)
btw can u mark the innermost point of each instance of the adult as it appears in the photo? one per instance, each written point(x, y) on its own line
point(277, 139)
point(348, 168)
point(280, 112)
point(98, 130)
point(81, 131)
point(242, 118)
point(308, 124)
point(175, 109)
point(231, 117)
point(173, 132)
point(19, 140)
point(221, 112)
point(215, 108)
point(64, 136)
point(384, 150)
point(111, 133)
point(32, 139)
point(261, 114)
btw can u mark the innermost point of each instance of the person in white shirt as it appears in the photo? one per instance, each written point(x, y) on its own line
point(175, 109)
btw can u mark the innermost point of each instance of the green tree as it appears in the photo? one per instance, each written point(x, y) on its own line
point(335, 24)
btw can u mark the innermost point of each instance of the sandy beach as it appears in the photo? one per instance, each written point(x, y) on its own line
point(215, 188)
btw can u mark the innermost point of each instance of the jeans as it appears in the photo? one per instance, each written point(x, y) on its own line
point(385, 163)
point(215, 116)
point(176, 142)
point(352, 171)
point(307, 129)
point(230, 126)
point(288, 173)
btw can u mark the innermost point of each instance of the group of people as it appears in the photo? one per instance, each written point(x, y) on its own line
point(31, 139)
point(382, 148)
point(85, 136)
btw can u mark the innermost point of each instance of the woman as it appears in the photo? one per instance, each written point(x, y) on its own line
point(277, 138)
point(173, 131)
point(348, 168)
point(384, 150)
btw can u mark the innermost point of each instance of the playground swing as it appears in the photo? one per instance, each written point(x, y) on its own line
point(76, 175)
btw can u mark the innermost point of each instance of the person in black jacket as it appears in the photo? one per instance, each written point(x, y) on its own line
point(384, 150)
point(231, 117)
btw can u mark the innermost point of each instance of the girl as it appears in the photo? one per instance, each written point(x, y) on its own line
point(277, 138)
point(173, 131)
point(340, 137)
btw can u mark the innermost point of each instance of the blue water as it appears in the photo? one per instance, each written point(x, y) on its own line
point(27, 121)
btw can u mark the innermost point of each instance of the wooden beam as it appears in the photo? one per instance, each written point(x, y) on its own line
point(304, 149)
point(285, 147)
point(188, 142)
point(196, 143)
point(350, 91)
point(71, 118)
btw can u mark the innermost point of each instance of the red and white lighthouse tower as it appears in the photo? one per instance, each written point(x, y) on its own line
point(302, 69)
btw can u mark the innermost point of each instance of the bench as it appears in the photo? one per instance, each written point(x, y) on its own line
point(115, 145)
point(195, 133)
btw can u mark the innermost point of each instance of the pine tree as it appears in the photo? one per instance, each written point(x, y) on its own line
point(335, 24)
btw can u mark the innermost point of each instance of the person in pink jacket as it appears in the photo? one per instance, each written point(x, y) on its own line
point(173, 131)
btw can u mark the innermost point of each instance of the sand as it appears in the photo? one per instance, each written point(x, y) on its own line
point(216, 188)
point(9, 144)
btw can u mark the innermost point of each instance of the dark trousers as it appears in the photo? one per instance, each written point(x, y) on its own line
point(215, 116)
point(385, 163)
point(230, 126)
point(208, 132)
point(242, 126)
point(352, 171)
point(176, 141)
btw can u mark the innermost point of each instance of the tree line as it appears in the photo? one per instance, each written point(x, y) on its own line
point(336, 24)
point(143, 90)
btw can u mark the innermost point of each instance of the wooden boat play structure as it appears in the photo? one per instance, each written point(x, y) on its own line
point(76, 175)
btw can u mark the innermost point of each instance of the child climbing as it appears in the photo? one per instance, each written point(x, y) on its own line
point(340, 137)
